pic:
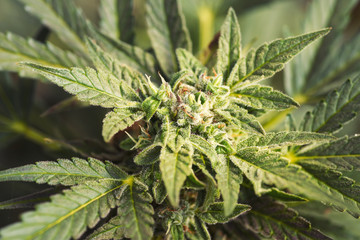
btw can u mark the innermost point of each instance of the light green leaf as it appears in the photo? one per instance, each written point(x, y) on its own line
point(229, 179)
point(176, 161)
point(116, 19)
point(97, 88)
point(269, 59)
point(110, 230)
point(177, 232)
point(280, 139)
point(215, 213)
point(262, 97)
point(189, 62)
point(270, 219)
point(229, 46)
point(342, 154)
point(14, 49)
point(63, 18)
point(149, 106)
point(136, 212)
point(118, 120)
point(64, 172)
point(148, 155)
point(68, 214)
point(265, 168)
point(201, 232)
point(337, 109)
point(105, 61)
point(167, 31)
point(239, 117)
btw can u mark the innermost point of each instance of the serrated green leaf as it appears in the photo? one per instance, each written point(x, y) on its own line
point(262, 97)
point(270, 58)
point(167, 31)
point(239, 117)
point(149, 155)
point(116, 19)
point(265, 168)
point(201, 231)
point(136, 212)
point(177, 232)
point(14, 49)
point(342, 154)
point(229, 46)
point(284, 196)
point(229, 179)
point(176, 161)
point(149, 106)
point(280, 139)
point(105, 61)
point(108, 231)
point(274, 220)
point(64, 172)
point(341, 186)
point(63, 18)
point(189, 62)
point(215, 213)
point(118, 120)
point(97, 88)
point(67, 215)
point(338, 108)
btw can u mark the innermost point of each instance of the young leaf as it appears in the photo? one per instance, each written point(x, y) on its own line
point(274, 220)
point(98, 88)
point(262, 97)
point(136, 212)
point(68, 214)
point(280, 139)
point(64, 172)
point(189, 62)
point(167, 31)
point(110, 230)
point(215, 213)
point(116, 19)
point(118, 120)
point(63, 18)
point(176, 161)
point(269, 59)
point(229, 179)
point(240, 118)
point(14, 49)
point(342, 154)
point(229, 46)
point(200, 230)
point(339, 108)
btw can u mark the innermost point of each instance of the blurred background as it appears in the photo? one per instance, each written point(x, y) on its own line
point(39, 121)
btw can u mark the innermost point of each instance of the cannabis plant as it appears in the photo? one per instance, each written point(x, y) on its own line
point(194, 150)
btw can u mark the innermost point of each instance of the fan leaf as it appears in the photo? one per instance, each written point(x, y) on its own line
point(269, 59)
point(68, 214)
point(65, 172)
point(96, 87)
